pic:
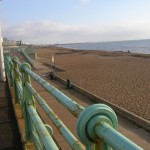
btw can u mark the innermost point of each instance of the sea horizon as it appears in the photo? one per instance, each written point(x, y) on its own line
point(134, 46)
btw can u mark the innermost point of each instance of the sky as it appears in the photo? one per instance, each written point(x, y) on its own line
point(74, 21)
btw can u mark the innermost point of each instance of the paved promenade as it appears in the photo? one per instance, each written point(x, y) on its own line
point(9, 135)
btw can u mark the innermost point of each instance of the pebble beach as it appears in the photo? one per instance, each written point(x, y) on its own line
point(119, 77)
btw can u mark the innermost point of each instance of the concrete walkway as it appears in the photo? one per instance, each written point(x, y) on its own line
point(9, 135)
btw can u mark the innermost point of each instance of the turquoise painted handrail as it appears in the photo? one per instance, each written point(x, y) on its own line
point(96, 124)
point(72, 106)
point(41, 129)
point(72, 141)
point(27, 57)
point(35, 130)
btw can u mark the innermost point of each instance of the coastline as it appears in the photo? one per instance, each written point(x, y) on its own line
point(135, 46)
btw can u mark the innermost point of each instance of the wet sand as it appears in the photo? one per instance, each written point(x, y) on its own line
point(118, 77)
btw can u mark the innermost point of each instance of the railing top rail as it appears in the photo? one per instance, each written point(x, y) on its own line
point(73, 142)
point(16, 61)
point(71, 105)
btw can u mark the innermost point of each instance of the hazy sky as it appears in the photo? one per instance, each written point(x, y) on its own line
point(65, 21)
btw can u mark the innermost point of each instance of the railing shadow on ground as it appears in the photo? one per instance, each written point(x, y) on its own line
point(96, 125)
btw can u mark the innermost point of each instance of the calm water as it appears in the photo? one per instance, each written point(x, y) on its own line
point(136, 46)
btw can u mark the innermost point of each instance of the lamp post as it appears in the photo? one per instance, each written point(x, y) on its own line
point(2, 68)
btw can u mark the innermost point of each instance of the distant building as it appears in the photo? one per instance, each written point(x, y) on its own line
point(18, 43)
point(12, 42)
point(7, 42)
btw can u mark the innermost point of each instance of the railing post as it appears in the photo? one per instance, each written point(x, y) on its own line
point(27, 100)
point(87, 122)
point(16, 79)
point(11, 73)
point(6, 63)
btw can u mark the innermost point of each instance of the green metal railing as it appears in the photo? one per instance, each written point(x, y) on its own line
point(96, 125)
point(23, 51)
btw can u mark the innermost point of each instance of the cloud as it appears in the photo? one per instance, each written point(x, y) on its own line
point(46, 32)
point(43, 32)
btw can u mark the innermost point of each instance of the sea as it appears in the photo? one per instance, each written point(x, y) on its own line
point(133, 46)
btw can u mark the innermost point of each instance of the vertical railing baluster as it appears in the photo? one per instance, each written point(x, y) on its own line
point(16, 79)
point(6, 64)
point(11, 74)
point(27, 100)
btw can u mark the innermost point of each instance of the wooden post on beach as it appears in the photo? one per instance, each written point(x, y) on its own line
point(2, 68)
point(35, 56)
point(53, 60)
point(52, 73)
